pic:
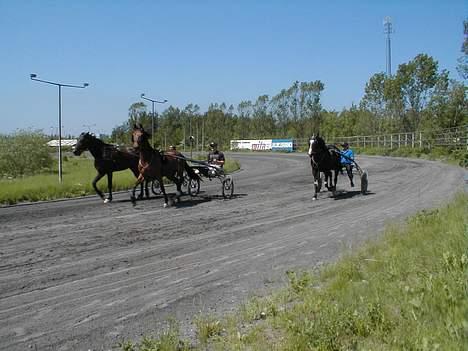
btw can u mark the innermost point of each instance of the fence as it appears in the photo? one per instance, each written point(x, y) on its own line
point(452, 137)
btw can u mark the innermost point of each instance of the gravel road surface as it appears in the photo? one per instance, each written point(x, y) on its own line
point(83, 275)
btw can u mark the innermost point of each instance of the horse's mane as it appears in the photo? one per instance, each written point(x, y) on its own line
point(102, 143)
point(320, 142)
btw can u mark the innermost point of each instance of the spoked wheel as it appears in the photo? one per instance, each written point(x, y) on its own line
point(155, 187)
point(193, 186)
point(228, 187)
point(364, 183)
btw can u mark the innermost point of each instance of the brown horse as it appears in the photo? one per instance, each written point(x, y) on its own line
point(154, 165)
point(107, 159)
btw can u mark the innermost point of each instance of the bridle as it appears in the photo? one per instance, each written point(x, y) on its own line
point(313, 154)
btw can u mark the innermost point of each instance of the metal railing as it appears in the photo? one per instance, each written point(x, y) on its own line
point(451, 137)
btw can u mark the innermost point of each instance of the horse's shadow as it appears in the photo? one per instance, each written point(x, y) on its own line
point(193, 201)
point(203, 195)
point(186, 200)
point(221, 197)
point(343, 194)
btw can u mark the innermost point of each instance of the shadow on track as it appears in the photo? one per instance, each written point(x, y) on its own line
point(343, 194)
point(221, 197)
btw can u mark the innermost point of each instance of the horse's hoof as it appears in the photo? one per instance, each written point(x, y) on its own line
point(314, 198)
point(106, 201)
point(165, 205)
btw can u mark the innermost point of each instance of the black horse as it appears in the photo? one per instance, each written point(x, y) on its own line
point(154, 165)
point(107, 159)
point(324, 158)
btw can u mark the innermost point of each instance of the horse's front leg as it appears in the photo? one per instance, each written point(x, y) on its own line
point(109, 186)
point(146, 189)
point(95, 180)
point(316, 175)
point(335, 180)
point(328, 180)
point(163, 190)
point(139, 180)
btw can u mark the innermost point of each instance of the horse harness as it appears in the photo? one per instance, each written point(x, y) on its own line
point(145, 167)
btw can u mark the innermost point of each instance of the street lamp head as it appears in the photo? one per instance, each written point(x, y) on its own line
point(142, 95)
point(165, 100)
point(86, 85)
point(33, 75)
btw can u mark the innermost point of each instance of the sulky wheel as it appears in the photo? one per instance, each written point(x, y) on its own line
point(364, 183)
point(228, 187)
point(193, 186)
point(155, 187)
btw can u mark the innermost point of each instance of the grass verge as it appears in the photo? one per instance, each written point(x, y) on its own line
point(78, 173)
point(453, 156)
point(405, 291)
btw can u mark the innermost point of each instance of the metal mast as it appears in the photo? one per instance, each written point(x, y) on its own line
point(388, 29)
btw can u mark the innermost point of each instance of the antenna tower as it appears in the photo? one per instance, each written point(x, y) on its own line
point(388, 29)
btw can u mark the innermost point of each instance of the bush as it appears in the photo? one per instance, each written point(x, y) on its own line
point(23, 153)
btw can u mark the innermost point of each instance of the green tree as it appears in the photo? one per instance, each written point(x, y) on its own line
point(24, 153)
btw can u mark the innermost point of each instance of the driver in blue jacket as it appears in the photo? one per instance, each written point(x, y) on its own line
point(347, 158)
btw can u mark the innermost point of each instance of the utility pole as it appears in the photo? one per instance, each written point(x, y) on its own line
point(388, 29)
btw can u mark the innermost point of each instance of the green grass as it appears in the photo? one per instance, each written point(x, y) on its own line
point(78, 173)
point(405, 291)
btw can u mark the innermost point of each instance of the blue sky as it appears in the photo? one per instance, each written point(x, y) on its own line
point(203, 52)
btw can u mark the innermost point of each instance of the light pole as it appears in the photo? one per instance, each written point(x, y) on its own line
point(152, 115)
point(59, 85)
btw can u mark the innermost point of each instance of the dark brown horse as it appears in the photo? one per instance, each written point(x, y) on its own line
point(154, 165)
point(324, 158)
point(107, 159)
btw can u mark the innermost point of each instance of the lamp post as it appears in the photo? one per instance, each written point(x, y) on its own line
point(59, 85)
point(152, 115)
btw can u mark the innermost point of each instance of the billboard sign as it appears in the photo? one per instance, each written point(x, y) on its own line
point(282, 145)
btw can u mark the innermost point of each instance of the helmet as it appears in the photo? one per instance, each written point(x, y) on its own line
point(172, 147)
point(345, 145)
point(213, 145)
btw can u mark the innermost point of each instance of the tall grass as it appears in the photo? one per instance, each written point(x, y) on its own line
point(406, 291)
point(78, 173)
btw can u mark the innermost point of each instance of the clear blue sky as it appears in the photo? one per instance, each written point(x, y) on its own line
point(203, 52)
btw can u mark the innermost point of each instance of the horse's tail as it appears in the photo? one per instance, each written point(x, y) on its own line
point(191, 173)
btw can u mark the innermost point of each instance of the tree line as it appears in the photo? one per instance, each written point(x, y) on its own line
point(418, 97)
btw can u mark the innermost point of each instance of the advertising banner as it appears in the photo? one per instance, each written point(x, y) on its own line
point(254, 145)
point(282, 145)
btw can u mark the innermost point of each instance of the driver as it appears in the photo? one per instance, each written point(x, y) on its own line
point(215, 157)
point(173, 152)
point(347, 158)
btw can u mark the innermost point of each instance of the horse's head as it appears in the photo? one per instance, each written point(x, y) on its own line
point(84, 142)
point(139, 136)
point(317, 145)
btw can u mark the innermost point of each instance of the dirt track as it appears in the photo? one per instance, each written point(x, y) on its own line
point(79, 274)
